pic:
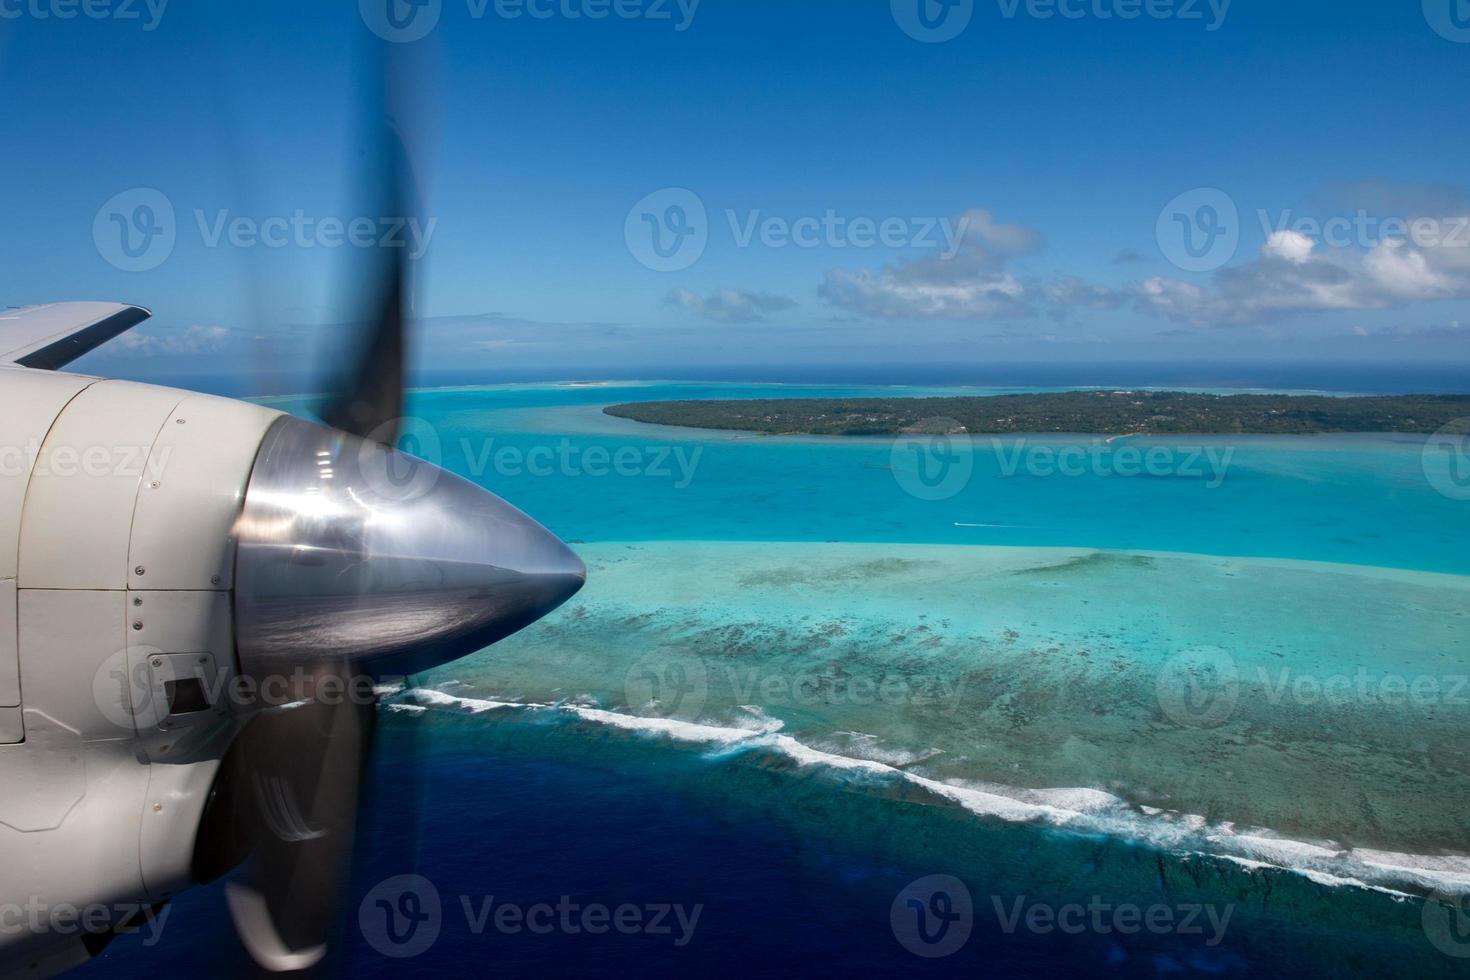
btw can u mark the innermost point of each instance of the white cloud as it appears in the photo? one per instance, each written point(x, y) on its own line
point(195, 340)
point(1292, 246)
point(1072, 291)
point(730, 305)
point(972, 285)
point(1296, 274)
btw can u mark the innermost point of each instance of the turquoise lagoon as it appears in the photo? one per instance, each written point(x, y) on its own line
point(1248, 660)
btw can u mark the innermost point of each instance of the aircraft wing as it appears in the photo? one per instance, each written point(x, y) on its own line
point(51, 336)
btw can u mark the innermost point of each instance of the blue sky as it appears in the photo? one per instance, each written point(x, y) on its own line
point(1032, 177)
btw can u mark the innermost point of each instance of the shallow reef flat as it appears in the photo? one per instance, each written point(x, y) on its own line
point(1325, 702)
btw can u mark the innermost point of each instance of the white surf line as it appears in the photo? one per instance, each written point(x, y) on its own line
point(1081, 809)
point(1028, 526)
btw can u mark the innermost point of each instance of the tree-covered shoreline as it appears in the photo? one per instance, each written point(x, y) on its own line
point(1087, 412)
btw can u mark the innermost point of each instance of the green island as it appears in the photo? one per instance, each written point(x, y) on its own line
point(1083, 412)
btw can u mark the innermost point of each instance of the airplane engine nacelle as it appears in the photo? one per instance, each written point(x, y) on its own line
point(118, 504)
point(172, 565)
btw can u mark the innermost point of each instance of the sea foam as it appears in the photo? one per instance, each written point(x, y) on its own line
point(1076, 809)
